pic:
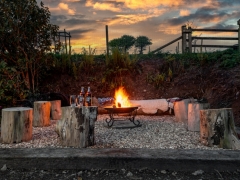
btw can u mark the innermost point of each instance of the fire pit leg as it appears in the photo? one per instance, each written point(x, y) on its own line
point(132, 119)
point(110, 121)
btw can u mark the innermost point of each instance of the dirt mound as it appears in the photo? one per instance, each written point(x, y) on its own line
point(221, 87)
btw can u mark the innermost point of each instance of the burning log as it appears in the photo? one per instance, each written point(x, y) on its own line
point(217, 128)
point(76, 127)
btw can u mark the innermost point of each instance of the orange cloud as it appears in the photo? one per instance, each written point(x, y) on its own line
point(184, 12)
point(144, 4)
point(135, 18)
point(63, 6)
point(106, 6)
point(167, 29)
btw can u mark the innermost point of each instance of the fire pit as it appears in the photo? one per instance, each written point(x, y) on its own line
point(121, 113)
point(122, 108)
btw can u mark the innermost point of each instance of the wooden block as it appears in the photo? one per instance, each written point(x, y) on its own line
point(76, 127)
point(16, 124)
point(41, 113)
point(181, 110)
point(56, 111)
point(217, 128)
point(194, 115)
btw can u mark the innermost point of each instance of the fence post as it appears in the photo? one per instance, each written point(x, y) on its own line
point(65, 38)
point(107, 40)
point(184, 39)
point(238, 35)
point(190, 39)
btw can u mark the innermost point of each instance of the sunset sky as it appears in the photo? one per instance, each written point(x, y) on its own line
point(160, 20)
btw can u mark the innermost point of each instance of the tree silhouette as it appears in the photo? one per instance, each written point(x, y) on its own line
point(25, 37)
point(141, 43)
point(123, 43)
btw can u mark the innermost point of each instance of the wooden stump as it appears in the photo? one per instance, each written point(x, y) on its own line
point(194, 115)
point(181, 110)
point(16, 124)
point(76, 127)
point(41, 113)
point(217, 128)
point(56, 111)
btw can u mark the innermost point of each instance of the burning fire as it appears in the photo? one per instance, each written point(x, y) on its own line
point(121, 98)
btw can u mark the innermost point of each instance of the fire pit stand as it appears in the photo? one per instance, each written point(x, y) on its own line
point(120, 114)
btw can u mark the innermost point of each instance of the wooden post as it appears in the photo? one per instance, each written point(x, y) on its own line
point(41, 113)
point(16, 124)
point(76, 128)
point(56, 111)
point(238, 22)
point(194, 115)
point(190, 40)
point(217, 128)
point(65, 39)
point(107, 45)
point(69, 43)
point(184, 39)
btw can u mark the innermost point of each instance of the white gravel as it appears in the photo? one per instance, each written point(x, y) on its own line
point(156, 132)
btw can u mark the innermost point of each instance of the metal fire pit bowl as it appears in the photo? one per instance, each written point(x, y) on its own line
point(121, 113)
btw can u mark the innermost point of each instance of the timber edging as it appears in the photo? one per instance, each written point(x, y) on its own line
point(85, 158)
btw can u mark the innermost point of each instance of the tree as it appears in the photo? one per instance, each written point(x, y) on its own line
point(25, 38)
point(123, 43)
point(115, 43)
point(141, 43)
point(127, 42)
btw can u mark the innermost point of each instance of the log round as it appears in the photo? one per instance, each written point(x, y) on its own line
point(217, 128)
point(16, 124)
point(76, 127)
point(41, 112)
point(56, 111)
point(194, 115)
point(181, 110)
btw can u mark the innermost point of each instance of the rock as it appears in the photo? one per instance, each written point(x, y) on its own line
point(198, 172)
point(123, 171)
point(163, 171)
point(129, 174)
point(4, 168)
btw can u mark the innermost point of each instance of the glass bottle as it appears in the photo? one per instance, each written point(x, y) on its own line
point(88, 98)
point(81, 97)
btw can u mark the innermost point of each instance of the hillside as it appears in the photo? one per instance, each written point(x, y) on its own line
point(221, 87)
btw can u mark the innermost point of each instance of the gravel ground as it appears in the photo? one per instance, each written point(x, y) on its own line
point(156, 132)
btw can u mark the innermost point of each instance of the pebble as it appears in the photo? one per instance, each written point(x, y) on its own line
point(198, 172)
point(4, 168)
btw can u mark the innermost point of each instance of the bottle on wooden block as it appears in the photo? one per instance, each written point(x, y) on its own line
point(88, 97)
point(81, 98)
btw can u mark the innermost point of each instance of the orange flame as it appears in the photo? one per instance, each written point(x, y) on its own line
point(121, 98)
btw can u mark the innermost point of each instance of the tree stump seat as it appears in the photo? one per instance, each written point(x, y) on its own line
point(16, 124)
point(41, 112)
point(76, 126)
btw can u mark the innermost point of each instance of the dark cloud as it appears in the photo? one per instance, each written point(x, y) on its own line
point(223, 26)
point(204, 15)
point(75, 21)
point(79, 33)
point(70, 21)
point(225, 3)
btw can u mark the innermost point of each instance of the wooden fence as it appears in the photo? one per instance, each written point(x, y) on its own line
point(187, 39)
